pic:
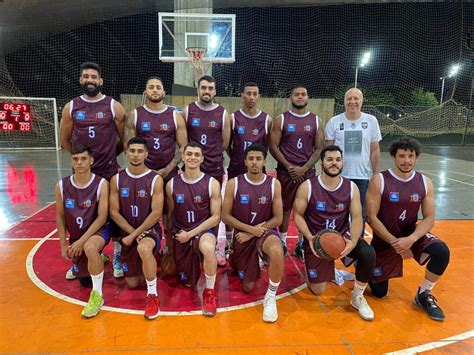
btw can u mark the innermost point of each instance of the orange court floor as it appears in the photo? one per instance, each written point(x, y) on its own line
point(35, 320)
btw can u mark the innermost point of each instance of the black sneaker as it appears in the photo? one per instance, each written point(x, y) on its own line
point(427, 301)
point(228, 251)
point(285, 250)
point(299, 253)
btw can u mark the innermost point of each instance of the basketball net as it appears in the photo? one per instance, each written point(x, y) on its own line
point(195, 55)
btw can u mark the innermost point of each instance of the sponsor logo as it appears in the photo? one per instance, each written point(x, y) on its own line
point(182, 276)
point(240, 129)
point(99, 114)
point(415, 197)
point(394, 197)
point(262, 200)
point(124, 192)
point(80, 115)
point(70, 203)
point(378, 271)
point(364, 125)
point(320, 206)
point(179, 198)
point(241, 274)
point(75, 268)
point(87, 203)
point(341, 126)
point(312, 273)
point(146, 126)
point(195, 122)
point(291, 128)
point(244, 199)
point(125, 267)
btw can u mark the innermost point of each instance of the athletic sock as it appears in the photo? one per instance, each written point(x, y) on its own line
point(210, 281)
point(426, 285)
point(117, 248)
point(97, 281)
point(359, 288)
point(272, 288)
point(151, 287)
point(283, 237)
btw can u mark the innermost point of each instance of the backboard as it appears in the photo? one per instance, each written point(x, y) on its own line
point(214, 32)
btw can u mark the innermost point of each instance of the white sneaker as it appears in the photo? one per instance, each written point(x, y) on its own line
point(70, 275)
point(359, 303)
point(270, 312)
point(117, 265)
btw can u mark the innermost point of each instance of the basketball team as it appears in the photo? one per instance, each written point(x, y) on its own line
point(168, 199)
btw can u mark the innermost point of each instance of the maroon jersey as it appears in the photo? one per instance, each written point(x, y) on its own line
point(192, 201)
point(297, 137)
point(245, 131)
point(94, 127)
point(205, 127)
point(328, 209)
point(80, 204)
point(400, 202)
point(159, 130)
point(135, 194)
point(253, 202)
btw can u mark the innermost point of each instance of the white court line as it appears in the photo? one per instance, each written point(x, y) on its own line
point(461, 182)
point(42, 286)
point(435, 344)
point(452, 171)
point(26, 218)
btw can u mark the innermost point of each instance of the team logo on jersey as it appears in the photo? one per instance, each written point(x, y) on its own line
point(70, 203)
point(195, 122)
point(394, 197)
point(415, 197)
point(75, 268)
point(378, 271)
point(241, 274)
point(164, 127)
point(212, 124)
point(244, 199)
point(182, 276)
point(364, 125)
point(320, 206)
point(291, 128)
point(262, 200)
point(255, 132)
point(341, 126)
point(307, 128)
point(179, 198)
point(80, 115)
point(141, 193)
point(146, 126)
point(240, 129)
point(312, 273)
point(125, 267)
point(198, 199)
point(124, 192)
point(340, 207)
point(99, 114)
point(87, 203)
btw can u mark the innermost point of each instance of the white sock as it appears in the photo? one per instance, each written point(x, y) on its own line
point(426, 285)
point(210, 281)
point(359, 288)
point(117, 248)
point(283, 237)
point(151, 287)
point(272, 288)
point(97, 281)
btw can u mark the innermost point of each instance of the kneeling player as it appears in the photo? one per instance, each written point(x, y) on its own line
point(329, 201)
point(253, 207)
point(393, 201)
point(136, 203)
point(194, 206)
point(81, 209)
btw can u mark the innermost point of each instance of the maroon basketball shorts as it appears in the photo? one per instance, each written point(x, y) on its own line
point(131, 261)
point(244, 258)
point(289, 187)
point(79, 264)
point(389, 264)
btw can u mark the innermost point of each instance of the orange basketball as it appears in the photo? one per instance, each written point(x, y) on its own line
point(168, 267)
point(329, 244)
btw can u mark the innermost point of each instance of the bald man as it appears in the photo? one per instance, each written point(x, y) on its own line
point(358, 135)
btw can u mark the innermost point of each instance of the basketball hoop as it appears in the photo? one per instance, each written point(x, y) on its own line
point(195, 55)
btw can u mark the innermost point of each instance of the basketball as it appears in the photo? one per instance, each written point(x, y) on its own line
point(168, 267)
point(329, 244)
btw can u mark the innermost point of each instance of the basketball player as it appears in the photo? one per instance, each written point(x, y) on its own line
point(95, 120)
point(194, 206)
point(253, 207)
point(136, 203)
point(249, 125)
point(208, 124)
point(329, 201)
point(393, 201)
point(81, 210)
point(296, 141)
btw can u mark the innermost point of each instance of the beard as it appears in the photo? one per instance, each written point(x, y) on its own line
point(89, 91)
point(328, 173)
point(155, 101)
point(299, 107)
point(206, 99)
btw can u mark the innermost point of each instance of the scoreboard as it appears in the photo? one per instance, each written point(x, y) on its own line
point(15, 117)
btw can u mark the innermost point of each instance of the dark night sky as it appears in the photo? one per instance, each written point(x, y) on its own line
point(413, 44)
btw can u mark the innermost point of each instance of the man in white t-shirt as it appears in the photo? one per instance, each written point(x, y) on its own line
point(358, 135)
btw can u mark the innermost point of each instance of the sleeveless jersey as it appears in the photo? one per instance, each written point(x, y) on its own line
point(158, 128)
point(328, 209)
point(192, 201)
point(245, 131)
point(297, 137)
point(205, 127)
point(400, 203)
point(94, 127)
point(135, 195)
point(253, 202)
point(80, 204)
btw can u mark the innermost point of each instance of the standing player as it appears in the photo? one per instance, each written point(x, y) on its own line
point(81, 210)
point(136, 203)
point(208, 124)
point(393, 201)
point(194, 206)
point(95, 120)
point(253, 207)
point(249, 125)
point(329, 201)
point(296, 141)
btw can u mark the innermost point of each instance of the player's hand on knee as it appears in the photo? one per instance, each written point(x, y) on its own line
point(350, 244)
point(182, 236)
point(128, 240)
point(65, 251)
point(243, 237)
point(259, 230)
point(76, 248)
point(402, 244)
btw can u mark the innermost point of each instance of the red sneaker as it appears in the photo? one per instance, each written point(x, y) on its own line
point(152, 309)
point(209, 307)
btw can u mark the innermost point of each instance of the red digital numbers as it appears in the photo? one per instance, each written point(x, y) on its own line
point(15, 117)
